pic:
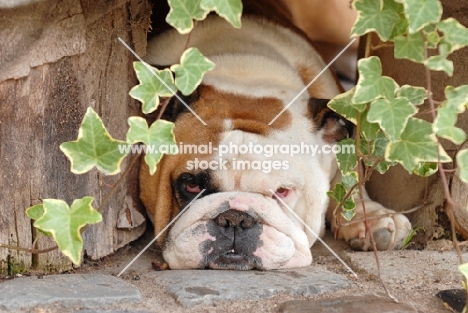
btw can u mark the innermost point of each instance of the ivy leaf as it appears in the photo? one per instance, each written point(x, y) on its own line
point(380, 146)
point(94, 147)
point(35, 212)
point(368, 129)
point(347, 209)
point(439, 63)
point(444, 126)
point(454, 33)
point(341, 104)
point(421, 13)
point(409, 47)
point(230, 10)
point(349, 180)
point(432, 40)
point(183, 12)
point(378, 16)
point(415, 95)
point(189, 73)
point(426, 169)
point(153, 84)
point(347, 160)
point(159, 139)
point(462, 164)
point(65, 223)
point(417, 144)
point(371, 84)
point(391, 115)
point(457, 98)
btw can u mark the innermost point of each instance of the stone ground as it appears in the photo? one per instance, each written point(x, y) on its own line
point(413, 277)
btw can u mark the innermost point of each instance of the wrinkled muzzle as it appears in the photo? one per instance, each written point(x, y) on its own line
point(236, 230)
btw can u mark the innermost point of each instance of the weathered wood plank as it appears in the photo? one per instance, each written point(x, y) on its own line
point(44, 109)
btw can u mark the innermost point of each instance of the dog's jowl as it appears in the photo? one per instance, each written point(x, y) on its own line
point(238, 223)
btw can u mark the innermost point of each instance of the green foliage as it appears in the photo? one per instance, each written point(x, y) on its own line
point(189, 73)
point(64, 223)
point(385, 114)
point(93, 148)
point(153, 84)
point(183, 12)
point(158, 137)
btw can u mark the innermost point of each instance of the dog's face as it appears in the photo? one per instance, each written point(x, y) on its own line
point(242, 220)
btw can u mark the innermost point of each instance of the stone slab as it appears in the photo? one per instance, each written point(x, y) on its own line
point(86, 290)
point(212, 286)
point(361, 304)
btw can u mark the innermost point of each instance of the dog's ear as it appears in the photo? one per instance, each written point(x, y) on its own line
point(156, 195)
point(331, 125)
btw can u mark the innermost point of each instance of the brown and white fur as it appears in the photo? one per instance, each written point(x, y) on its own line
point(238, 223)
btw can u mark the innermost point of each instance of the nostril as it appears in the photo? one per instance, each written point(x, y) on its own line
point(248, 222)
point(221, 221)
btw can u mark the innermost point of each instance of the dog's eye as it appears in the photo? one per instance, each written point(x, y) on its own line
point(192, 188)
point(282, 192)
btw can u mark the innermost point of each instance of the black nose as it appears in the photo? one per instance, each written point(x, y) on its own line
point(234, 218)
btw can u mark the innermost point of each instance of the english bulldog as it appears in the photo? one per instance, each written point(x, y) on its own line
point(243, 220)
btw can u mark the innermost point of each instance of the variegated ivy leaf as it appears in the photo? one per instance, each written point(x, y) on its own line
point(455, 34)
point(94, 147)
point(159, 139)
point(349, 180)
point(439, 63)
point(153, 84)
point(378, 16)
point(189, 73)
point(343, 105)
point(36, 212)
point(410, 47)
point(444, 126)
point(391, 115)
point(347, 209)
point(463, 268)
point(183, 12)
point(432, 39)
point(347, 160)
point(64, 224)
point(426, 169)
point(457, 98)
point(416, 144)
point(368, 129)
point(462, 164)
point(230, 10)
point(380, 145)
point(421, 13)
point(415, 95)
point(371, 84)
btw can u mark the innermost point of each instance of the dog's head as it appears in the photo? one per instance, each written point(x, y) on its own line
point(246, 160)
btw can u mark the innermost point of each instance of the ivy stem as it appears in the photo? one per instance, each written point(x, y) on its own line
point(119, 181)
point(450, 204)
point(32, 251)
point(361, 198)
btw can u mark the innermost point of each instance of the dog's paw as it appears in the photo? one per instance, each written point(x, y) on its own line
point(388, 228)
